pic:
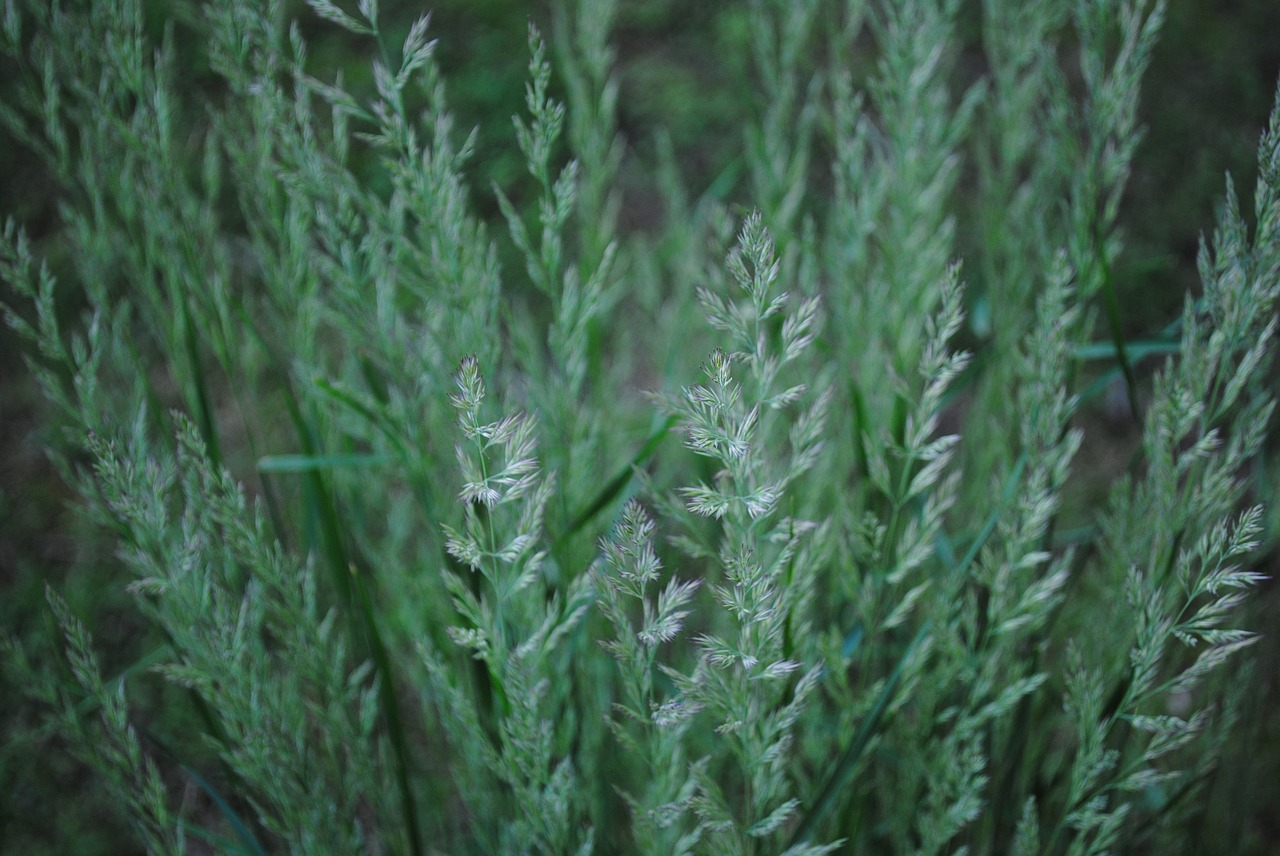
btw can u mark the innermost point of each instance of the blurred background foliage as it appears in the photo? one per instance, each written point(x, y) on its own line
point(686, 86)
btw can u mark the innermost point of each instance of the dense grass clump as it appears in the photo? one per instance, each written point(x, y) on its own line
point(582, 513)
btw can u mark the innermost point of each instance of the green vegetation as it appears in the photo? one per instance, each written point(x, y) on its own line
point(545, 490)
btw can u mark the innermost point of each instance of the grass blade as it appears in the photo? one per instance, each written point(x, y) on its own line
point(616, 485)
point(249, 843)
point(993, 519)
point(1137, 350)
point(354, 596)
point(314, 463)
point(1112, 304)
point(208, 427)
point(838, 778)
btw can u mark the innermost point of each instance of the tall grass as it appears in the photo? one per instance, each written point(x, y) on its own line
point(755, 533)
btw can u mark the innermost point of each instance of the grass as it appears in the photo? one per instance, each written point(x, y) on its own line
point(757, 507)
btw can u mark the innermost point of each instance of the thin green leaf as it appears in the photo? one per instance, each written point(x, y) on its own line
point(354, 596)
point(314, 463)
point(204, 416)
point(993, 519)
point(249, 843)
point(1137, 350)
point(616, 485)
point(837, 779)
